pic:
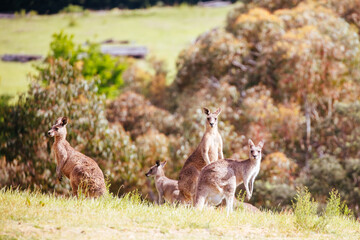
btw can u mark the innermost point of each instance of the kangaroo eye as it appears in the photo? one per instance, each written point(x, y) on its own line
point(208, 119)
point(258, 151)
point(56, 128)
point(215, 119)
point(252, 151)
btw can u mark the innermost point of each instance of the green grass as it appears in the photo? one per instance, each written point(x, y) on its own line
point(165, 31)
point(27, 215)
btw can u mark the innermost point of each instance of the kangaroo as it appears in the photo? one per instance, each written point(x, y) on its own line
point(219, 179)
point(209, 150)
point(168, 189)
point(80, 169)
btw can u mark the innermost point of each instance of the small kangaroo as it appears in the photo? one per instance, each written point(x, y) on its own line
point(209, 150)
point(219, 179)
point(168, 189)
point(80, 169)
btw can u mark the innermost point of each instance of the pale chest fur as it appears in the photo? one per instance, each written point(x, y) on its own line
point(60, 152)
point(212, 144)
point(255, 170)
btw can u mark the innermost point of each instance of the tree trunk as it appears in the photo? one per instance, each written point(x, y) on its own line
point(308, 133)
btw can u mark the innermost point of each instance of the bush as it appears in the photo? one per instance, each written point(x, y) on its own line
point(305, 211)
point(335, 207)
point(213, 55)
point(137, 115)
point(63, 46)
point(91, 62)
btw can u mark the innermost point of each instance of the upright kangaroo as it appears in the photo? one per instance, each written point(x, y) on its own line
point(219, 179)
point(209, 150)
point(80, 169)
point(167, 188)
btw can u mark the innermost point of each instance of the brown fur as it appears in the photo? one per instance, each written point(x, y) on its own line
point(168, 189)
point(80, 169)
point(219, 179)
point(209, 150)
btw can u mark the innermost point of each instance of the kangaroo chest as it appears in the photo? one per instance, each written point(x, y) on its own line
point(60, 153)
point(213, 149)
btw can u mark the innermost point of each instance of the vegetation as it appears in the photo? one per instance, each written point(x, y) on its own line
point(164, 31)
point(36, 215)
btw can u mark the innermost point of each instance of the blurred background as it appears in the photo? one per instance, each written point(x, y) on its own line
point(133, 76)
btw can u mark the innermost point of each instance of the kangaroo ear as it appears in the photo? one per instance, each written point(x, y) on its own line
point(206, 111)
point(163, 163)
point(261, 144)
point(217, 112)
point(157, 163)
point(251, 144)
point(64, 121)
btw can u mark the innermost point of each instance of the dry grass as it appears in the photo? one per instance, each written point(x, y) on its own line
point(26, 215)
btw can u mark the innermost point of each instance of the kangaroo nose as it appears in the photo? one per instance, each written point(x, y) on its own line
point(211, 124)
point(48, 133)
point(146, 174)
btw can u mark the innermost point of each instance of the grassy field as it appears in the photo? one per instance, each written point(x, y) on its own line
point(27, 215)
point(165, 31)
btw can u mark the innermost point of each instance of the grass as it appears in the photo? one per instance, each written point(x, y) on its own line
point(165, 31)
point(29, 215)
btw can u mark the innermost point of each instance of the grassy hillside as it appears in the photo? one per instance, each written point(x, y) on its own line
point(27, 215)
point(165, 31)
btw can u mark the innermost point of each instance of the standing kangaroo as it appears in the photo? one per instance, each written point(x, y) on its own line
point(167, 188)
point(80, 169)
point(219, 179)
point(209, 150)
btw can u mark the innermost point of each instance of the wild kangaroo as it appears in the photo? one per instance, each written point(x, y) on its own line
point(168, 189)
point(80, 169)
point(219, 179)
point(209, 150)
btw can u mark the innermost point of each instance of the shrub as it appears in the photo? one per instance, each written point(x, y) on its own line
point(305, 211)
point(335, 207)
point(109, 70)
point(91, 62)
point(325, 173)
point(63, 46)
point(138, 115)
point(213, 55)
point(257, 27)
point(277, 168)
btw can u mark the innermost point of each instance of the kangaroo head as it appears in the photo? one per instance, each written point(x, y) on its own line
point(59, 128)
point(212, 117)
point(156, 170)
point(255, 151)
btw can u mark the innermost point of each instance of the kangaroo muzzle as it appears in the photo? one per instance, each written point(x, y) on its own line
point(50, 133)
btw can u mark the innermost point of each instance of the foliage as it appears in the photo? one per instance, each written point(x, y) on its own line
point(213, 55)
point(109, 70)
point(91, 62)
point(335, 207)
point(305, 211)
point(63, 46)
